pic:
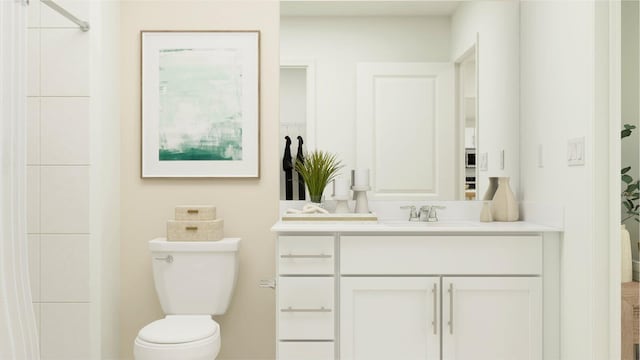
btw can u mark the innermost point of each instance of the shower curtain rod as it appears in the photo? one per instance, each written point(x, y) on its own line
point(84, 25)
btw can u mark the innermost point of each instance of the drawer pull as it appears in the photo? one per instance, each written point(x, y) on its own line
point(450, 291)
point(192, 211)
point(191, 228)
point(314, 256)
point(434, 322)
point(321, 310)
point(168, 258)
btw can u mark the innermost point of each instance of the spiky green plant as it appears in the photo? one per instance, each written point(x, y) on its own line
point(318, 169)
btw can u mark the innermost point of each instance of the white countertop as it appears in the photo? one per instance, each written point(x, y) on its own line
point(443, 226)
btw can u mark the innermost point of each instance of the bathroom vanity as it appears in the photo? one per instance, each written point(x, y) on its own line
point(401, 290)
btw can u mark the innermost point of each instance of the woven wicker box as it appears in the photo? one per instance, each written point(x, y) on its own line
point(195, 212)
point(198, 230)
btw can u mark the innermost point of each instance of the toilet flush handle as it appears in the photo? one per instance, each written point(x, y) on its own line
point(168, 258)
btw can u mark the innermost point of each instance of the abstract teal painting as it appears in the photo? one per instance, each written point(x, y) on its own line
point(200, 104)
point(200, 96)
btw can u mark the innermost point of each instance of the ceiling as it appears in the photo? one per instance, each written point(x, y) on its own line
point(368, 8)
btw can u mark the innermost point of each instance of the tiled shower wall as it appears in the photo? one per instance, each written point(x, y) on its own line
point(58, 174)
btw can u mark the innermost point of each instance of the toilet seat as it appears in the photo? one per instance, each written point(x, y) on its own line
point(184, 337)
point(179, 329)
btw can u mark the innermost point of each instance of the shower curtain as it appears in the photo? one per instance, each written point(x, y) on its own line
point(18, 336)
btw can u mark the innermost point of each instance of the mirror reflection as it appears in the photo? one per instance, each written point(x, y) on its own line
point(424, 94)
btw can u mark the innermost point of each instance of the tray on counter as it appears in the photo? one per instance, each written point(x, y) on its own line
point(370, 217)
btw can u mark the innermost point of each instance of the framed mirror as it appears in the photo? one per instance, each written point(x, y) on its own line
point(422, 93)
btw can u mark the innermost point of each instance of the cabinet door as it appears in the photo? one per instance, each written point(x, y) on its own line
point(389, 318)
point(496, 318)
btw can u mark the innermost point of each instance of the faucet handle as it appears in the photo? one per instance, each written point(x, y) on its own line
point(430, 211)
point(413, 213)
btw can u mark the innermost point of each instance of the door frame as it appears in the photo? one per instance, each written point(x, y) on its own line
point(309, 65)
point(615, 113)
point(472, 51)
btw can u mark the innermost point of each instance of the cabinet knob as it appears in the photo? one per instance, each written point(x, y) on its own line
point(291, 310)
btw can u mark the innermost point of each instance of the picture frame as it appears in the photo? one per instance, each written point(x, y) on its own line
point(200, 96)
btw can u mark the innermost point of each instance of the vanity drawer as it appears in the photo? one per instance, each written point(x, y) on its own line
point(305, 255)
point(299, 350)
point(305, 308)
point(427, 255)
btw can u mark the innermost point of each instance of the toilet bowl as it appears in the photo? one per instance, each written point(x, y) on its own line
point(193, 337)
point(193, 280)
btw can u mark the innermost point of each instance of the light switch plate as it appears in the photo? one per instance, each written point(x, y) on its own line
point(540, 156)
point(483, 161)
point(576, 152)
point(501, 159)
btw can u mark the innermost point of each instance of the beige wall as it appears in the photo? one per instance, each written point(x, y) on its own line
point(248, 206)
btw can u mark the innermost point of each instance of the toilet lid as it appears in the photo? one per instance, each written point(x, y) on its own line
point(178, 329)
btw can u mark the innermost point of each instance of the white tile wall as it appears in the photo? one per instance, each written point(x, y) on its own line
point(65, 331)
point(33, 62)
point(65, 268)
point(33, 199)
point(33, 130)
point(65, 62)
point(64, 206)
point(34, 265)
point(65, 130)
point(58, 148)
point(51, 19)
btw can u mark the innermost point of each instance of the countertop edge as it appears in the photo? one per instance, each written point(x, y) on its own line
point(333, 227)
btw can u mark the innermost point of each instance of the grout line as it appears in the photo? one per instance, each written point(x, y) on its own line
point(40, 175)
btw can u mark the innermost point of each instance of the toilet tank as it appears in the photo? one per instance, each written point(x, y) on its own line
point(194, 277)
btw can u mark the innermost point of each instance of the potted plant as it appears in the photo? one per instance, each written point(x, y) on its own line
point(317, 170)
point(629, 197)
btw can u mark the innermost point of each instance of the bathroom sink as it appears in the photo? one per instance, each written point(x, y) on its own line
point(438, 224)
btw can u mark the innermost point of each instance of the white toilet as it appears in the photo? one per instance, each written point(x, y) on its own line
point(194, 280)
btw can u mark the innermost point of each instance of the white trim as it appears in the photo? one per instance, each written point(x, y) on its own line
point(460, 172)
point(615, 82)
point(310, 66)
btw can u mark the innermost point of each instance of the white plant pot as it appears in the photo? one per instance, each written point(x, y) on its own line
point(626, 270)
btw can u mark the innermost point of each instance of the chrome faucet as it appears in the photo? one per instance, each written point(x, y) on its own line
point(413, 213)
point(429, 213)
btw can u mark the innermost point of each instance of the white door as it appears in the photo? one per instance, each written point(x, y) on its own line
point(384, 318)
point(406, 129)
point(496, 318)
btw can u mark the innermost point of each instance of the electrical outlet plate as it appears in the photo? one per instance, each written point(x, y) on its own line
point(575, 152)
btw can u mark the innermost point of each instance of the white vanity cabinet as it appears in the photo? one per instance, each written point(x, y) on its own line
point(428, 296)
point(385, 318)
point(399, 295)
point(305, 300)
point(491, 318)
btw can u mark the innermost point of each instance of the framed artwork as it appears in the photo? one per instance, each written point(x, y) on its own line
point(200, 103)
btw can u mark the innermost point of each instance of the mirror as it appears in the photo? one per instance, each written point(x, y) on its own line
point(422, 93)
